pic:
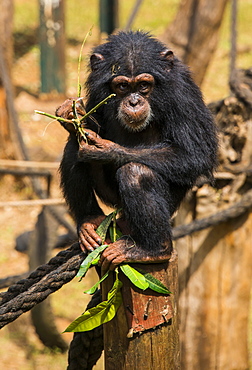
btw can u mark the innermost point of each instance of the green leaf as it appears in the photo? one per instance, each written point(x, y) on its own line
point(115, 288)
point(95, 261)
point(89, 259)
point(156, 284)
point(114, 234)
point(103, 227)
point(102, 313)
point(135, 277)
point(94, 287)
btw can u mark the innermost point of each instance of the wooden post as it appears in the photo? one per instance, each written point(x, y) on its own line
point(144, 334)
point(52, 44)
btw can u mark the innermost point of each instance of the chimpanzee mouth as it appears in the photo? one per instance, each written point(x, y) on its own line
point(135, 125)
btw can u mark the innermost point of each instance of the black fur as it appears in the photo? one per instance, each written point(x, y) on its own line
point(153, 170)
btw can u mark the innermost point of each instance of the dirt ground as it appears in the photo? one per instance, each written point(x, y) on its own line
point(20, 348)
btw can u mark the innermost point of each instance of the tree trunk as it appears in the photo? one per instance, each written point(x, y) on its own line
point(194, 33)
point(6, 15)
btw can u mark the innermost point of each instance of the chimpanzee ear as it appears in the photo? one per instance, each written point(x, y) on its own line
point(95, 61)
point(167, 55)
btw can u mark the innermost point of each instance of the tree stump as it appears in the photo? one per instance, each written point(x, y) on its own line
point(144, 334)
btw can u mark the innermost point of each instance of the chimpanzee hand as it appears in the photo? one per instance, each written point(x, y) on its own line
point(95, 147)
point(65, 111)
point(88, 238)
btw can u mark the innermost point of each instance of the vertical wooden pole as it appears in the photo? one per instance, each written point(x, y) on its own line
point(144, 334)
point(52, 46)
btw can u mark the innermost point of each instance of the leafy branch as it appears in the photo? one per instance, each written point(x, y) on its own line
point(106, 310)
point(76, 121)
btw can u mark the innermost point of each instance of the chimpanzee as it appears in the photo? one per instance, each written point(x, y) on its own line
point(151, 143)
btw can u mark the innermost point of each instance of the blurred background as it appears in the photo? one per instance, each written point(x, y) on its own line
point(40, 43)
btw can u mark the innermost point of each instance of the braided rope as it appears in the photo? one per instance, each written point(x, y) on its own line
point(234, 211)
point(48, 278)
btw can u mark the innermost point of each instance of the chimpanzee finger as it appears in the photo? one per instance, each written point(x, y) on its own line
point(110, 263)
point(105, 265)
point(109, 259)
point(88, 241)
point(85, 246)
point(94, 239)
point(92, 136)
point(90, 234)
point(80, 107)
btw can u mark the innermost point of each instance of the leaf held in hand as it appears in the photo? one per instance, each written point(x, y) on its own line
point(103, 227)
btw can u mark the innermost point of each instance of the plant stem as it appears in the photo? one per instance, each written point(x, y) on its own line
point(104, 101)
point(89, 33)
point(52, 116)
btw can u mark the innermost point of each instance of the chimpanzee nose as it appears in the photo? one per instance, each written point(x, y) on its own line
point(134, 100)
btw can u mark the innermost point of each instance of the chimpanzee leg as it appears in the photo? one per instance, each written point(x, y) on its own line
point(145, 205)
point(145, 201)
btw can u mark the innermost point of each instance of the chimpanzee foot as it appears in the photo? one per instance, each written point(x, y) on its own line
point(126, 250)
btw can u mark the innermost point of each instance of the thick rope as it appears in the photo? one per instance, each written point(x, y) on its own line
point(10, 280)
point(48, 278)
point(226, 215)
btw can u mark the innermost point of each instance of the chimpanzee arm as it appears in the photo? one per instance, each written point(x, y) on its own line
point(171, 160)
point(76, 184)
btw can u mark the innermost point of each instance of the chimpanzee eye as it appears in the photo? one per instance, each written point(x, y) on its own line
point(144, 87)
point(123, 87)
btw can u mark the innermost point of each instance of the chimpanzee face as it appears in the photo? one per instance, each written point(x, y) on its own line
point(134, 111)
point(133, 87)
